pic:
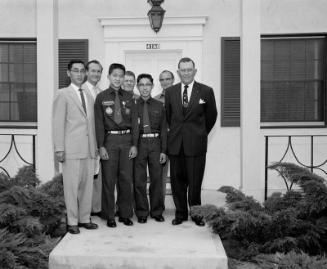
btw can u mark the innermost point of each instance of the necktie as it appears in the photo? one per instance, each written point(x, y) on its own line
point(146, 120)
point(185, 98)
point(83, 100)
point(117, 113)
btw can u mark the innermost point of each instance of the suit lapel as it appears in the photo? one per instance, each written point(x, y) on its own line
point(76, 100)
point(178, 97)
point(194, 97)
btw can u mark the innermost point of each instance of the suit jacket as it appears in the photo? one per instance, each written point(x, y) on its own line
point(73, 130)
point(190, 130)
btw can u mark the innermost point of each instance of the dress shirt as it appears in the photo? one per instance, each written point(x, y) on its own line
point(76, 89)
point(94, 90)
point(189, 90)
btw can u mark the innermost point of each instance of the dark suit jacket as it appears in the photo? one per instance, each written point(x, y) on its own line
point(192, 129)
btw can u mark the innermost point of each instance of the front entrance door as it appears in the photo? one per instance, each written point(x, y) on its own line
point(153, 63)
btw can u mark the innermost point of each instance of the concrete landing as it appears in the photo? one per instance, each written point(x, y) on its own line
point(152, 245)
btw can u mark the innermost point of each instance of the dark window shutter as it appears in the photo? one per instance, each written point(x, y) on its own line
point(230, 82)
point(70, 49)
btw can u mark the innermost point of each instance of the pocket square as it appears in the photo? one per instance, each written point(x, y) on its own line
point(201, 101)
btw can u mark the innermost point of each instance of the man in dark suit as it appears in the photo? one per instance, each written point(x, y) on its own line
point(191, 114)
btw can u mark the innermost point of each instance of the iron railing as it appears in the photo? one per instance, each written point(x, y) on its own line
point(13, 147)
point(290, 148)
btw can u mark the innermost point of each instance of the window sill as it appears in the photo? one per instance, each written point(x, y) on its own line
point(319, 124)
point(18, 125)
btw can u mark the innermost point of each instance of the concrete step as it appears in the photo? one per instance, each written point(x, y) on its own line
point(143, 246)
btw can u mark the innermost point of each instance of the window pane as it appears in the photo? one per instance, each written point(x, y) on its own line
point(29, 53)
point(4, 53)
point(16, 53)
point(27, 106)
point(15, 89)
point(14, 111)
point(3, 72)
point(29, 72)
point(4, 92)
point(4, 111)
point(16, 73)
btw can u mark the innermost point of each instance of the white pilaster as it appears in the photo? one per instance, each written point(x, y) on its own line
point(252, 143)
point(47, 82)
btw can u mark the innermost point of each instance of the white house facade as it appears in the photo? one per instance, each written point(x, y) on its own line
point(265, 59)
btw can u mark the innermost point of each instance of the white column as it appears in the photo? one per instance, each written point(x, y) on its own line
point(252, 154)
point(47, 83)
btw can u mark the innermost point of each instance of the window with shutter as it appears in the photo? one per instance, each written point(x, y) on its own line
point(230, 82)
point(70, 49)
point(18, 82)
point(293, 88)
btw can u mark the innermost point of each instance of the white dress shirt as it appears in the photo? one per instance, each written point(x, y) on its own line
point(76, 88)
point(189, 90)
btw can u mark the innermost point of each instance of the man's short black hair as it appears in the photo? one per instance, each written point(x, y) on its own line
point(74, 61)
point(186, 60)
point(144, 75)
point(114, 66)
point(93, 62)
point(167, 71)
point(130, 73)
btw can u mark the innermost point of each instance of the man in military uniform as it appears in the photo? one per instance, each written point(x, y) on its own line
point(151, 152)
point(117, 138)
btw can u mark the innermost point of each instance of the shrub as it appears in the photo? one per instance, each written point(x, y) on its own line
point(31, 219)
point(295, 221)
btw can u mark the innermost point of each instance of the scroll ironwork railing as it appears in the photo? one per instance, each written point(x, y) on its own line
point(13, 148)
point(290, 148)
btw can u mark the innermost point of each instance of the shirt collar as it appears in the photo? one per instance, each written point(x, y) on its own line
point(112, 90)
point(75, 87)
point(90, 86)
point(190, 86)
point(148, 101)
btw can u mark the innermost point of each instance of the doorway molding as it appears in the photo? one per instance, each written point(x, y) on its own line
point(125, 34)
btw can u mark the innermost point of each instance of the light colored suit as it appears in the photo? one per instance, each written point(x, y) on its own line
point(74, 133)
point(97, 183)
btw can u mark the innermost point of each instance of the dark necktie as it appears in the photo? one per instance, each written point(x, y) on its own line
point(185, 98)
point(117, 113)
point(83, 100)
point(146, 120)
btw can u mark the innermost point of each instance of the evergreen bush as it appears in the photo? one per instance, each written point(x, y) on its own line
point(294, 222)
point(31, 219)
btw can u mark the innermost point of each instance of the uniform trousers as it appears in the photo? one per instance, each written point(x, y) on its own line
point(149, 150)
point(117, 170)
point(186, 175)
point(78, 185)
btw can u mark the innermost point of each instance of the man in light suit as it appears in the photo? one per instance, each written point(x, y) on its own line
point(93, 74)
point(191, 114)
point(75, 146)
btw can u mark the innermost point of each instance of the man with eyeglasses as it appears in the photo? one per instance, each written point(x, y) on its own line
point(151, 152)
point(191, 114)
point(166, 79)
point(93, 76)
point(75, 147)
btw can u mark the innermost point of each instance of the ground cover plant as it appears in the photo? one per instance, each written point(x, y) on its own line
point(32, 219)
point(286, 231)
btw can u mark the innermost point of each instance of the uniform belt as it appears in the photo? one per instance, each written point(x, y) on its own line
point(150, 135)
point(120, 132)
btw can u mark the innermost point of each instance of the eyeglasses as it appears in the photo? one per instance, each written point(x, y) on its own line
point(165, 79)
point(188, 70)
point(145, 85)
point(82, 71)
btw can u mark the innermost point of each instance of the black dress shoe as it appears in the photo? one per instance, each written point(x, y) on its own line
point(88, 225)
point(142, 219)
point(159, 218)
point(198, 221)
point(126, 221)
point(177, 221)
point(73, 229)
point(111, 223)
